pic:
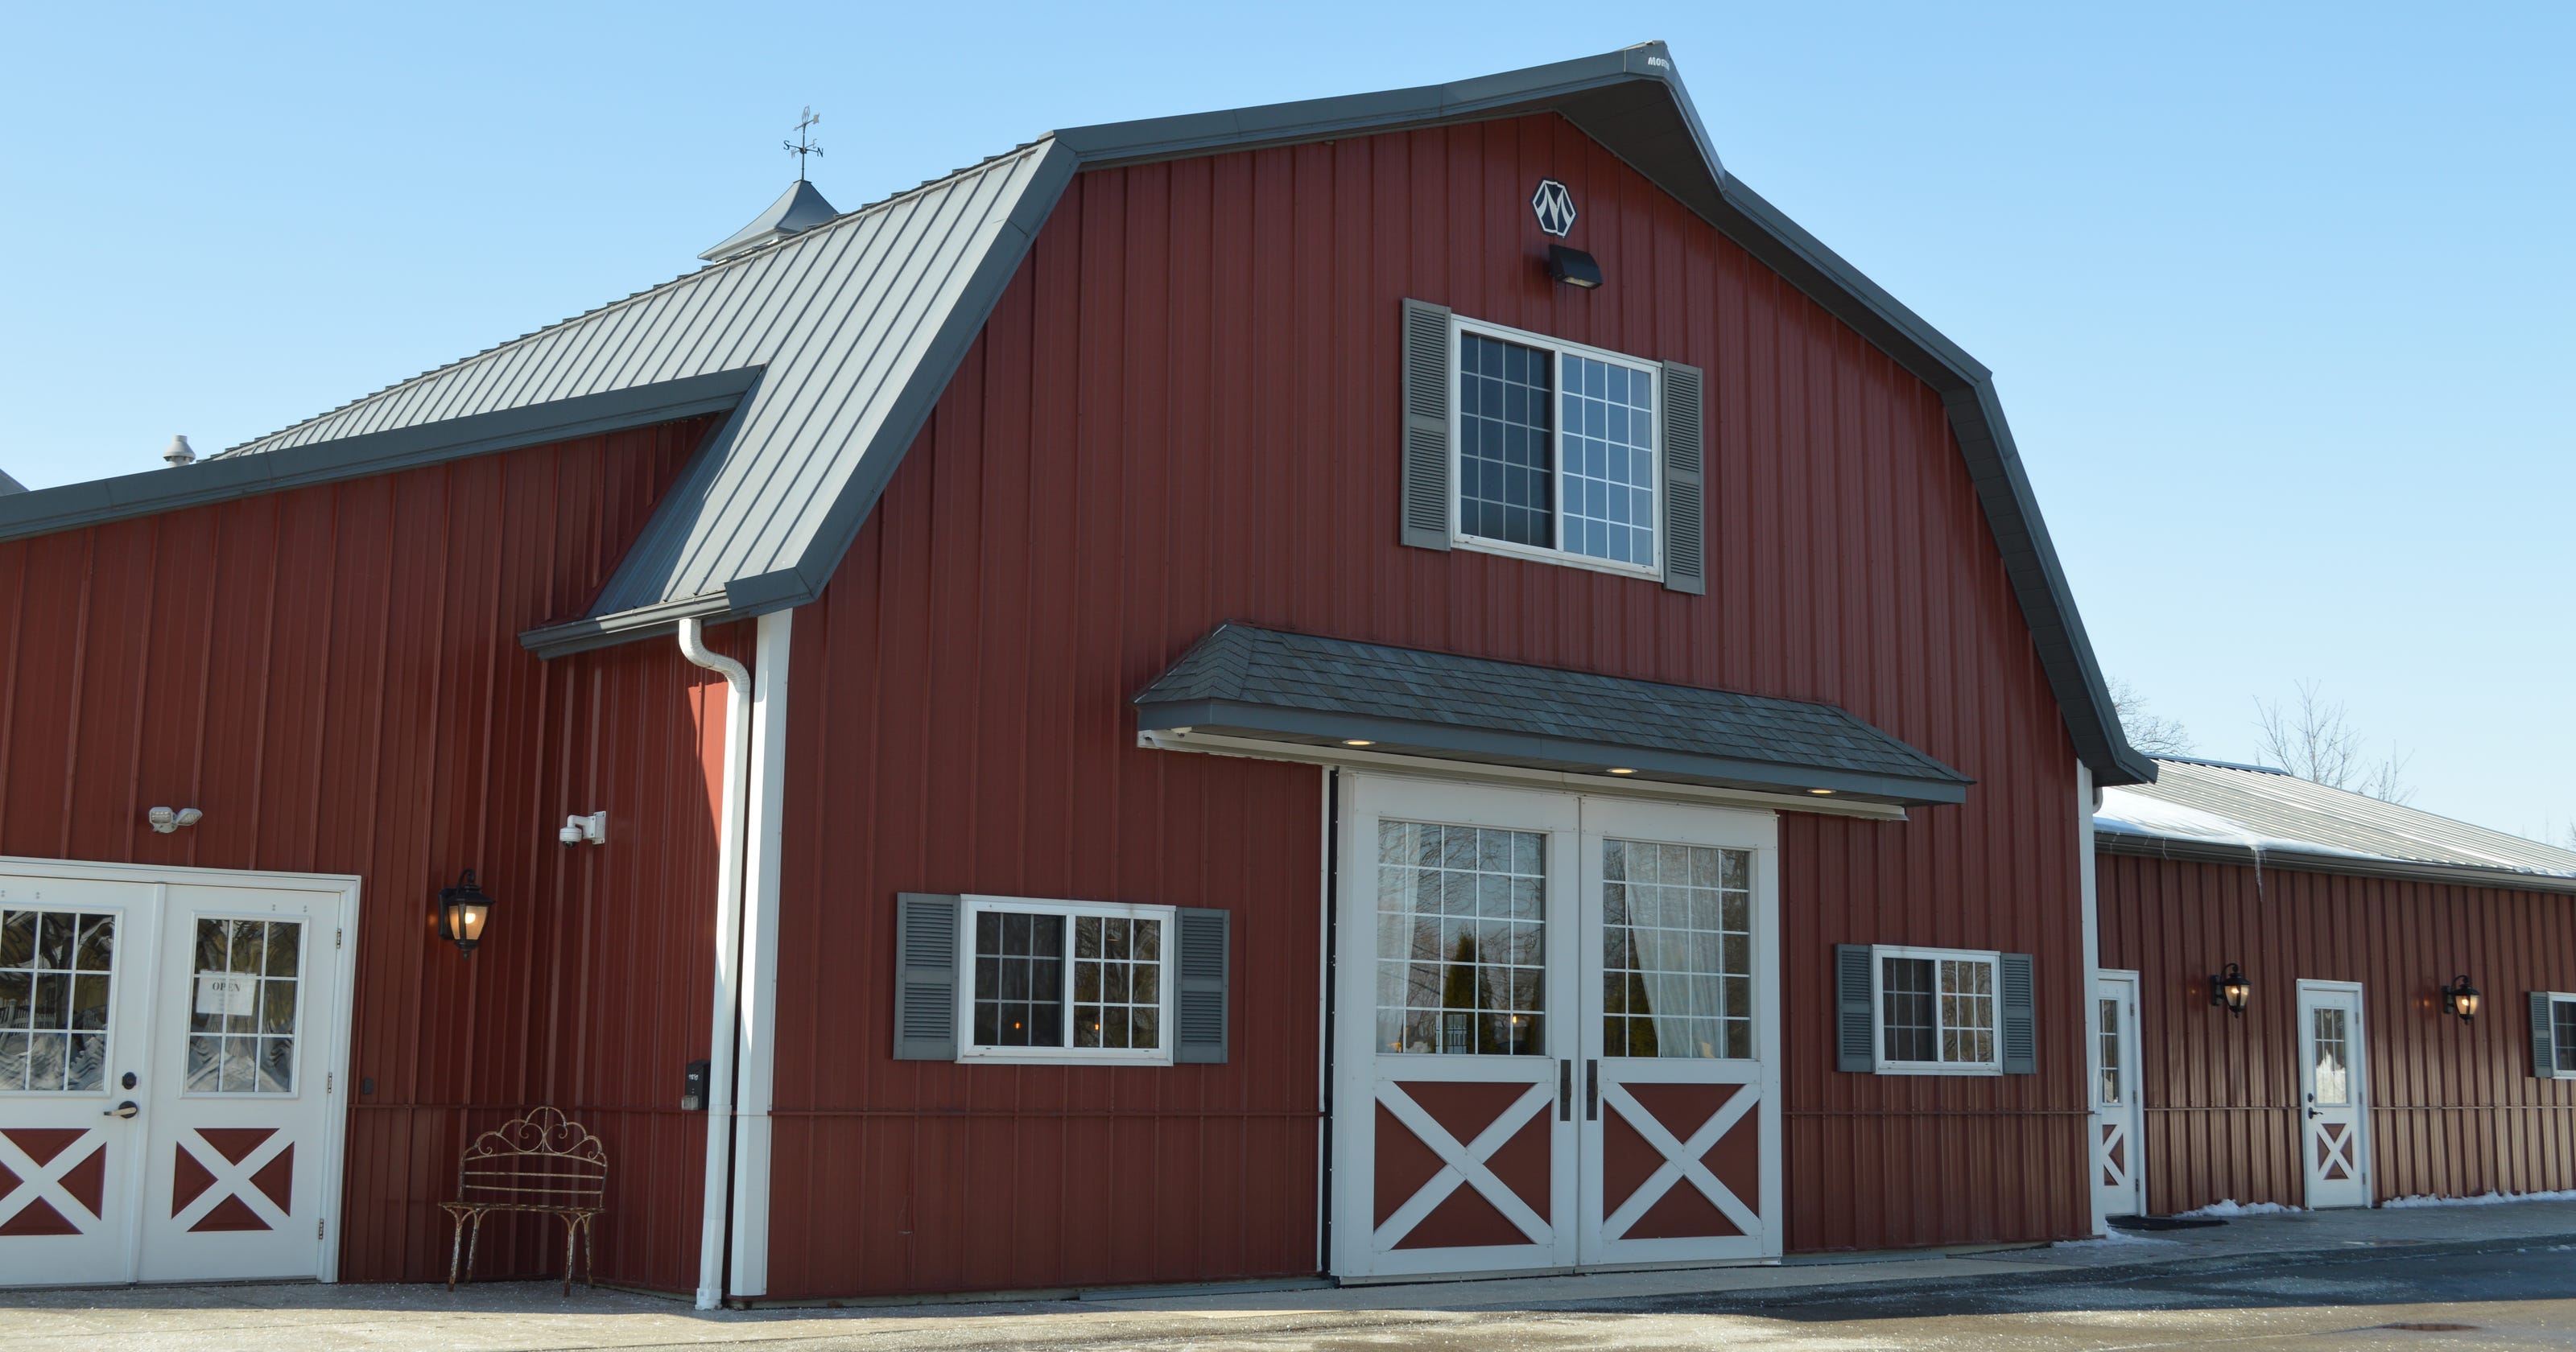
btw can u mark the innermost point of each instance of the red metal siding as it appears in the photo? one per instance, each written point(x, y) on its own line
point(1184, 411)
point(333, 675)
point(2455, 1110)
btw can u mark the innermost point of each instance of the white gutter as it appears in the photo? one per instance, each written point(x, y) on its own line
point(720, 1043)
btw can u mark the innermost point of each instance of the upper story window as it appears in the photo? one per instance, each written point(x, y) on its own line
point(1556, 450)
point(2553, 1035)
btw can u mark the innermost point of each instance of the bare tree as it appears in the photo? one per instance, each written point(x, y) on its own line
point(2314, 738)
point(2154, 734)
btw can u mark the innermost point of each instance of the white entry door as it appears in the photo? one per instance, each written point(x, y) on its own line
point(2119, 1175)
point(2335, 1138)
point(1680, 1121)
point(1555, 1043)
point(172, 1046)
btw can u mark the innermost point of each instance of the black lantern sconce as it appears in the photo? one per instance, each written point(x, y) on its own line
point(462, 909)
point(2230, 989)
point(2461, 998)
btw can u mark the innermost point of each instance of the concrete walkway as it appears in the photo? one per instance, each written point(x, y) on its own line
point(518, 1315)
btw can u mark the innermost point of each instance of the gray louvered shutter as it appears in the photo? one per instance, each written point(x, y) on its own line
point(2544, 1045)
point(1855, 1046)
point(1685, 506)
point(1430, 386)
point(2020, 1017)
point(1200, 987)
point(925, 988)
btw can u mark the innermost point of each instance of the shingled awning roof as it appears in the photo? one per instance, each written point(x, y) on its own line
point(1269, 685)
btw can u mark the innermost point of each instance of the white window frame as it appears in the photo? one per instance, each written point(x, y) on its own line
point(2556, 1071)
point(1460, 326)
point(967, 1049)
point(1878, 955)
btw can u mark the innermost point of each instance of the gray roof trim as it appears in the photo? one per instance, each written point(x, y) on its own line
point(1248, 682)
point(72, 506)
point(2111, 839)
point(643, 622)
point(755, 519)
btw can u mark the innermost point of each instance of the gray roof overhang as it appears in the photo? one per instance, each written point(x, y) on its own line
point(72, 506)
point(1631, 101)
point(2150, 845)
point(1267, 685)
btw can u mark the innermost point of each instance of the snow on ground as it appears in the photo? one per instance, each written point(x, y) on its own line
point(2484, 1199)
point(2116, 1238)
point(2231, 1209)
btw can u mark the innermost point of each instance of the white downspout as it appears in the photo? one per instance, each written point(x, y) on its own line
point(2088, 800)
point(720, 1044)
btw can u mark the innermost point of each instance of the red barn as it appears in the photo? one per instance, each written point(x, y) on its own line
point(2405, 1021)
point(1410, 684)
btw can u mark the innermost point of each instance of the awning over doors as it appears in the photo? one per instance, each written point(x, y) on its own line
point(1267, 685)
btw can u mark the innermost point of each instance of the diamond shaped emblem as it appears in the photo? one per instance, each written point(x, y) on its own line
point(1554, 207)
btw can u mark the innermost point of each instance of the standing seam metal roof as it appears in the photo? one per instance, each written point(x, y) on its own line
point(2284, 811)
point(854, 328)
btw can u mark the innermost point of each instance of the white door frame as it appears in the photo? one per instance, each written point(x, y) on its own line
point(333, 1058)
point(1720, 828)
point(2128, 1117)
point(2365, 1172)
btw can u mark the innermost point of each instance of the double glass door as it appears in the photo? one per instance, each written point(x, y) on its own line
point(170, 1051)
point(1556, 1031)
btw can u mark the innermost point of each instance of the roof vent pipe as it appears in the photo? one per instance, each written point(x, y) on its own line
point(179, 453)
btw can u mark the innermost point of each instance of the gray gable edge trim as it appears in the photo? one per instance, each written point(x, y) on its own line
point(1398, 736)
point(72, 506)
point(2113, 840)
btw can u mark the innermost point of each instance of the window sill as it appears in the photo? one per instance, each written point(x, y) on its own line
point(1532, 554)
point(1932, 1068)
point(1017, 1057)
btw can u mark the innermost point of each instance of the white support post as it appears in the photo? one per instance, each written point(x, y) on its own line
point(2092, 985)
point(763, 822)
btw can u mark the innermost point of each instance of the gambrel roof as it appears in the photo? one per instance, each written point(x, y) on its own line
point(831, 347)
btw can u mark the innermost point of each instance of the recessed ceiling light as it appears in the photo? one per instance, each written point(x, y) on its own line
point(1357, 741)
point(1820, 791)
point(1621, 770)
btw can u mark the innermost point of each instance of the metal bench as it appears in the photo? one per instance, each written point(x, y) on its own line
point(543, 1163)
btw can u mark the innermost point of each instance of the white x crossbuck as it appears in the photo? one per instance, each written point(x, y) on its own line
point(44, 1182)
point(1464, 1163)
point(1682, 1160)
point(232, 1180)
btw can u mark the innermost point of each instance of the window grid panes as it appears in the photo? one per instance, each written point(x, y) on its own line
point(1967, 1010)
point(2333, 1073)
point(1462, 950)
point(1936, 1010)
point(1505, 447)
point(1677, 951)
point(55, 968)
point(242, 1007)
point(1019, 979)
point(2109, 1013)
point(1117, 982)
point(2562, 1021)
point(1609, 452)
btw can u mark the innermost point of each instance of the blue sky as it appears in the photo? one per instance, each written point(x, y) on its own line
point(2277, 296)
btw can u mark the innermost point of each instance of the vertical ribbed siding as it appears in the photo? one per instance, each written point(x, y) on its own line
point(1185, 410)
point(333, 675)
point(2454, 1108)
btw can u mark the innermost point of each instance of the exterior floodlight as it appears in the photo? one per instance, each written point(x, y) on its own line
point(1573, 267)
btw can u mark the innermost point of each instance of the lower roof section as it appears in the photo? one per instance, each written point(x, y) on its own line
point(1271, 685)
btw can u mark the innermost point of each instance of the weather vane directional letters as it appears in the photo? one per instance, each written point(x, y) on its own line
point(803, 145)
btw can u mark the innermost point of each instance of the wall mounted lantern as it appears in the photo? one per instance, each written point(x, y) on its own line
point(462, 909)
point(2461, 998)
point(2230, 989)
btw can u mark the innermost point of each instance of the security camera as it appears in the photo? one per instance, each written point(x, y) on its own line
point(570, 835)
point(593, 828)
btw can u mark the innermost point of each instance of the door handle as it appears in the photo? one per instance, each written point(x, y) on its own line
point(1564, 1091)
point(1592, 1090)
point(125, 1109)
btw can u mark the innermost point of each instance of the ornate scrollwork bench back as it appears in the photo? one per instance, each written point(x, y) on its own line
point(543, 1163)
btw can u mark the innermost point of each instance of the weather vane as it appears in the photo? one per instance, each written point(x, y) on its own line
point(802, 146)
